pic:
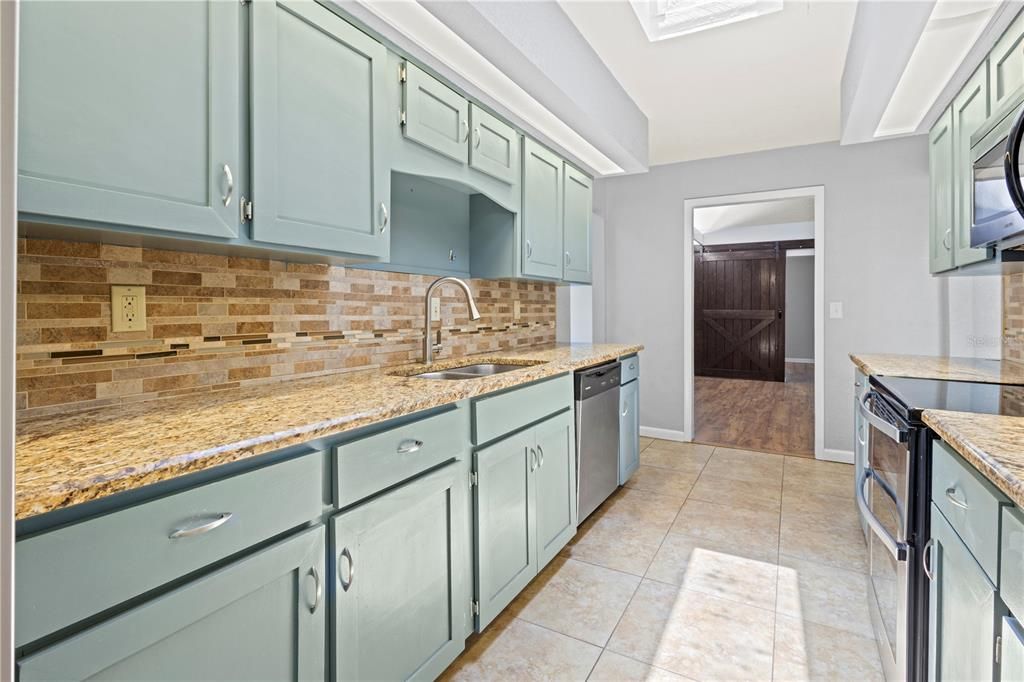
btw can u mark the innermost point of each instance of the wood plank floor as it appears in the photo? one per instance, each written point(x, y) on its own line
point(770, 416)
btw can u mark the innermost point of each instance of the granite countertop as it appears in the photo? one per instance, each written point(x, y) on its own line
point(67, 459)
point(940, 367)
point(992, 443)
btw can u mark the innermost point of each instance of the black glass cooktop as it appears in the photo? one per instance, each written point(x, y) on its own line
point(910, 397)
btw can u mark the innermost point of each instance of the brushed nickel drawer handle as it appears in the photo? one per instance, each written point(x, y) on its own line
point(346, 581)
point(476, 137)
point(951, 495)
point(319, 589)
point(218, 521)
point(409, 446)
point(632, 365)
point(464, 124)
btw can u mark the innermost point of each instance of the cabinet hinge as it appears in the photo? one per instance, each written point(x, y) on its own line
point(244, 2)
point(474, 479)
point(476, 608)
point(245, 210)
point(403, 75)
point(403, 118)
point(999, 647)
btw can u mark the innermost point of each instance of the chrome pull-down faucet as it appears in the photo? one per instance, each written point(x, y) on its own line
point(474, 314)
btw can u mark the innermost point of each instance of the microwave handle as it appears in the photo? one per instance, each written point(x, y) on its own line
point(891, 430)
point(1011, 163)
point(896, 548)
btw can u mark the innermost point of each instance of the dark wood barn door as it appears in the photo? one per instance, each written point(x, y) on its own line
point(739, 310)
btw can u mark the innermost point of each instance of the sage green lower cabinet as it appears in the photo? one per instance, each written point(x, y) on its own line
point(1011, 659)
point(556, 485)
point(259, 618)
point(629, 429)
point(961, 642)
point(402, 580)
point(504, 507)
point(321, 177)
point(524, 504)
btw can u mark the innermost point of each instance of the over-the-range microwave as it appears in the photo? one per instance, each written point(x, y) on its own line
point(997, 201)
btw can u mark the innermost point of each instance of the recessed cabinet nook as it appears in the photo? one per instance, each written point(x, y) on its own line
point(280, 127)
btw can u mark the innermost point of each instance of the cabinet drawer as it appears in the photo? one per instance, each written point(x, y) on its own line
point(630, 368)
point(371, 464)
point(74, 572)
point(495, 416)
point(970, 504)
point(1011, 560)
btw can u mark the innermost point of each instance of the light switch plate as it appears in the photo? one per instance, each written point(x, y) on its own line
point(835, 310)
point(435, 310)
point(128, 308)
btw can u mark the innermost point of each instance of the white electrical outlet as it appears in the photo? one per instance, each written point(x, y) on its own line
point(517, 310)
point(128, 308)
point(835, 310)
point(435, 310)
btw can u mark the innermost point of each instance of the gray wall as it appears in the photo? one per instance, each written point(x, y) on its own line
point(800, 307)
point(875, 260)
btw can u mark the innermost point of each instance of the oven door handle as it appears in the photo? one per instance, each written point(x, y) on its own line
point(896, 548)
point(889, 429)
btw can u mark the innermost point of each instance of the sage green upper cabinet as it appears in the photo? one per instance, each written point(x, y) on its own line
point(403, 580)
point(941, 176)
point(433, 114)
point(970, 110)
point(129, 114)
point(504, 507)
point(556, 485)
point(495, 146)
point(1006, 64)
point(542, 212)
point(576, 228)
point(961, 641)
point(321, 177)
point(260, 618)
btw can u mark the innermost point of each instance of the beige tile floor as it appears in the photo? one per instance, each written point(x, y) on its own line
point(710, 564)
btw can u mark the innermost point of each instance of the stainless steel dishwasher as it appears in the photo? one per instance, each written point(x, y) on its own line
point(597, 435)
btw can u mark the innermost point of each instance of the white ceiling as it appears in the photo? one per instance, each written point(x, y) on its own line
point(755, 213)
point(765, 83)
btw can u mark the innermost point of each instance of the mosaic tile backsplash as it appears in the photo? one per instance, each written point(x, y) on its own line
point(219, 322)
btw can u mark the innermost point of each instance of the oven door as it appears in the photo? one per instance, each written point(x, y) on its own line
point(882, 498)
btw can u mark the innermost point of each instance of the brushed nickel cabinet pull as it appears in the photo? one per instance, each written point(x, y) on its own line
point(319, 589)
point(951, 494)
point(409, 446)
point(231, 185)
point(346, 581)
point(218, 521)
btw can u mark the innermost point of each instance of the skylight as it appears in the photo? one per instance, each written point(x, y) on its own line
point(663, 19)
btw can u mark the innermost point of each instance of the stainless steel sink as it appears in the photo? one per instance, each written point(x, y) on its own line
point(469, 371)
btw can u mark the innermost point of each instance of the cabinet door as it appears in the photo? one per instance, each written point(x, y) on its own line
point(401, 581)
point(542, 212)
point(435, 115)
point(556, 485)
point(962, 620)
point(503, 508)
point(129, 114)
point(629, 430)
point(320, 173)
point(970, 110)
point(1012, 653)
point(576, 227)
point(1006, 64)
point(940, 174)
point(495, 148)
point(260, 618)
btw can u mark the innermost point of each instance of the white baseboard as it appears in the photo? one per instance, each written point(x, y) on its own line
point(833, 455)
point(664, 434)
point(801, 361)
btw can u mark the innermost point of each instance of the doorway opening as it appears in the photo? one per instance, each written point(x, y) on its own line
point(754, 328)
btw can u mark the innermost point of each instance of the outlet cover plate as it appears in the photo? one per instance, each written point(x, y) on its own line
point(127, 308)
